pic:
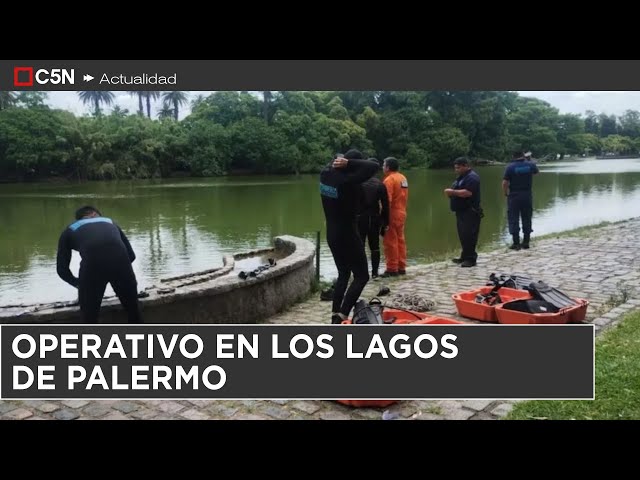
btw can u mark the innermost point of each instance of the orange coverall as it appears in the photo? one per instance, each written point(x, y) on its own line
point(395, 248)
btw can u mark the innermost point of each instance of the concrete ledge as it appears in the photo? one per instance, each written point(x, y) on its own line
point(211, 296)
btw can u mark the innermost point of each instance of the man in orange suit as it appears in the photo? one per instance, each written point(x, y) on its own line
point(395, 248)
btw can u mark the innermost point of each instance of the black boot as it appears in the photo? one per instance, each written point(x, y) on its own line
point(516, 242)
point(337, 318)
point(375, 263)
point(525, 241)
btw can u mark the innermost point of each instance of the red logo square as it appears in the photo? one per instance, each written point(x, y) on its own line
point(16, 80)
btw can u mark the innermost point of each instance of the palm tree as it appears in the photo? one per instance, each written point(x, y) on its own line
point(119, 112)
point(96, 98)
point(7, 99)
point(195, 103)
point(176, 98)
point(150, 95)
point(267, 100)
point(140, 95)
point(165, 112)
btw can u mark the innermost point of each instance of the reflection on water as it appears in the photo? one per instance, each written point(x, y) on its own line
point(73, 195)
point(213, 184)
point(591, 166)
point(183, 226)
point(588, 192)
point(587, 208)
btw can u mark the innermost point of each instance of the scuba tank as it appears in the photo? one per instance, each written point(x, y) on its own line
point(368, 314)
point(376, 307)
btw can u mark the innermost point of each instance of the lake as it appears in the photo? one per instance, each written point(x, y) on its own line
point(186, 225)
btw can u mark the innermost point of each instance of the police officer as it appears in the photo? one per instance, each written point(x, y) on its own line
point(516, 185)
point(340, 193)
point(106, 258)
point(464, 197)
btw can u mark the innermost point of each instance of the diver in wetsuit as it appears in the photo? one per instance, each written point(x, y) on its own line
point(340, 192)
point(373, 217)
point(106, 258)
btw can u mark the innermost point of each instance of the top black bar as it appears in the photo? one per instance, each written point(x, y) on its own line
point(256, 75)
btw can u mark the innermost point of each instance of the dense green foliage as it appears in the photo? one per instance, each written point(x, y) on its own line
point(290, 132)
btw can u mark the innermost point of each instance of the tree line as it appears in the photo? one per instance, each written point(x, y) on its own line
point(290, 132)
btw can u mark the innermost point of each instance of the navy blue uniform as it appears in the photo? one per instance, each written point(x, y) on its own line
point(520, 174)
point(106, 258)
point(373, 216)
point(468, 214)
point(340, 193)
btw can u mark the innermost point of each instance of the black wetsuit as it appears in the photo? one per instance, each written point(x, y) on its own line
point(106, 258)
point(374, 214)
point(340, 192)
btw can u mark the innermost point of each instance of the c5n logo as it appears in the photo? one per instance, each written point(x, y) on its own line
point(25, 76)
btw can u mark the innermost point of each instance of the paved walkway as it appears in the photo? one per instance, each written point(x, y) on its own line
point(602, 265)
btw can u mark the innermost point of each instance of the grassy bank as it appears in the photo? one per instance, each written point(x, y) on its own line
point(617, 382)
